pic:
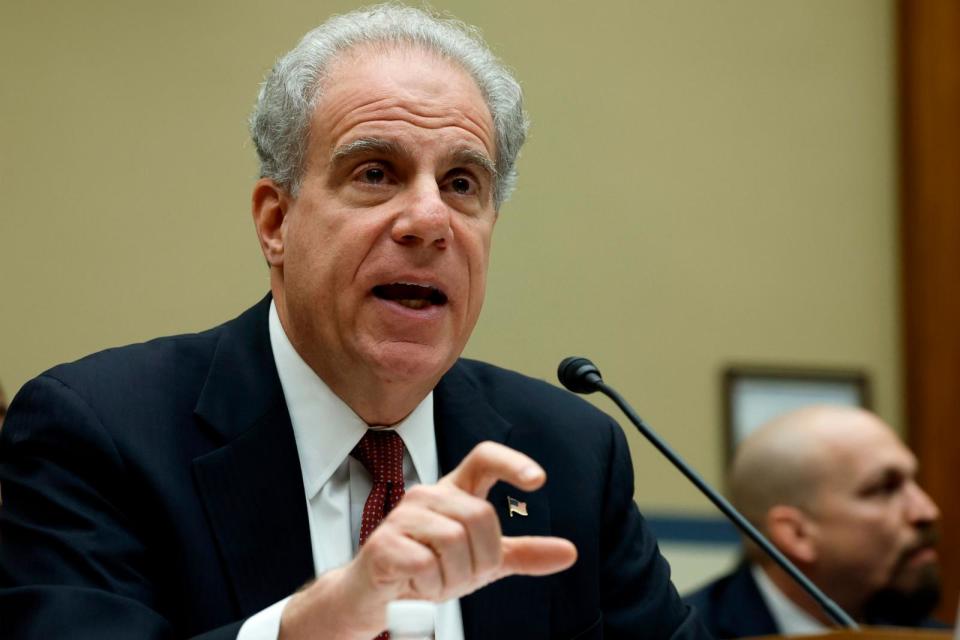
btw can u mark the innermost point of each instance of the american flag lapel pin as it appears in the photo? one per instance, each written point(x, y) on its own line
point(516, 507)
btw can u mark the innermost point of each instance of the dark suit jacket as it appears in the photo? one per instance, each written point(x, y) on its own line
point(732, 607)
point(154, 491)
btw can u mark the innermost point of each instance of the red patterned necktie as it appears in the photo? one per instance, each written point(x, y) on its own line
point(381, 453)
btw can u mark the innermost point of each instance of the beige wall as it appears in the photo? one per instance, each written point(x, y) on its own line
point(705, 182)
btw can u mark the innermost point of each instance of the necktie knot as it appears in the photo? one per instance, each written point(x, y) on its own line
point(381, 454)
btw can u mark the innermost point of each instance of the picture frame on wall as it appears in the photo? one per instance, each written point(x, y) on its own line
point(754, 394)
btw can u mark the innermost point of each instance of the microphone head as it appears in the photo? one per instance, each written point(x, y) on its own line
point(579, 375)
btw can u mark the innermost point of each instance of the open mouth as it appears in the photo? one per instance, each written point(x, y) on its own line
point(412, 296)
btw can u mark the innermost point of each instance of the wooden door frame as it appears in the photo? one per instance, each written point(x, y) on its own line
point(929, 119)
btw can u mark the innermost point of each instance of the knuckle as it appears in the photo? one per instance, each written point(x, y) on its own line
point(478, 514)
point(486, 449)
point(417, 493)
point(451, 537)
point(484, 512)
point(421, 563)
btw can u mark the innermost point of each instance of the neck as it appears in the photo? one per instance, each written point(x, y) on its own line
point(377, 403)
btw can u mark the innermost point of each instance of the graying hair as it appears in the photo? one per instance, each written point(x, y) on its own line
point(280, 121)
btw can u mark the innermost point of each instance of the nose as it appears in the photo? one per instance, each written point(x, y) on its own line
point(425, 218)
point(921, 509)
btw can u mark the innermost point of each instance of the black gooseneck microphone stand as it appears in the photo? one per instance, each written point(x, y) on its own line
point(580, 375)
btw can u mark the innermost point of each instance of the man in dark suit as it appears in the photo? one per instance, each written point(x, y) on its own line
point(330, 439)
point(835, 490)
point(3, 407)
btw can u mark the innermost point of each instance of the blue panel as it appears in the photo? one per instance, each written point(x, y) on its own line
point(702, 530)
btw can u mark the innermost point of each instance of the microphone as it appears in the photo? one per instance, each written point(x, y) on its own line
point(580, 375)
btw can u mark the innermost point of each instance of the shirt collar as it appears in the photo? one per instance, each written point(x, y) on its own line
point(327, 429)
point(791, 619)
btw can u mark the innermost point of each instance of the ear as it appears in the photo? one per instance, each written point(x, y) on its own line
point(270, 205)
point(793, 533)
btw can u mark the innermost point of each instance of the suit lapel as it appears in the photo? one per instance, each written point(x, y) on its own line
point(259, 517)
point(750, 615)
point(252, 487)
point(464, 418)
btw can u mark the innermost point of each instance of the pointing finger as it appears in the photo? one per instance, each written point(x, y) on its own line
point(489, 463)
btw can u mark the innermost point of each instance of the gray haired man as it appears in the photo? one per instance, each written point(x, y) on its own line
point(289, 473)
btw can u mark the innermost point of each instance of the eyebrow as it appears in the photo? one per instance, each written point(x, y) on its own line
point(886, 474)
point(365, 146)
point(467, 155)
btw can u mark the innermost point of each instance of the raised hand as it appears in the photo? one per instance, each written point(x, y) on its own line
point(441, 541)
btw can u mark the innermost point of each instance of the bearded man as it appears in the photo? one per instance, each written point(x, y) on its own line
point(835, 490)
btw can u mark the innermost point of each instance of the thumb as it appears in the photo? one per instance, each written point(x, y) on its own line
point(536, 555)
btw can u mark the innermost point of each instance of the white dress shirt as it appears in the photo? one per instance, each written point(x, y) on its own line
point(336, 485)
point(791, 619)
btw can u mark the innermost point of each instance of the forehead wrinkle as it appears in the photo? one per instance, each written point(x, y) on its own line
point(443, 95)
point(353, 107)
point(399, 97)
point(451, 116)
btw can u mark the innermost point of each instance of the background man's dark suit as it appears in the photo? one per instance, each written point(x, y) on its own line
point(732, 607)
point(155, 491)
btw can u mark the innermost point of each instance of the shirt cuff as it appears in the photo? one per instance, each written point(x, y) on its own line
point(264, 625)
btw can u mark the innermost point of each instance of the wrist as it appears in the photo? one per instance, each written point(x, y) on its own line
point(331, 607)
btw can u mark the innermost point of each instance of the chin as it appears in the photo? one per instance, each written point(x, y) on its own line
point(910, 599)
point(405, 362)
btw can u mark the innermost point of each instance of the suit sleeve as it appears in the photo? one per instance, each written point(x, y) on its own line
point(638, 599)
point(72, 562)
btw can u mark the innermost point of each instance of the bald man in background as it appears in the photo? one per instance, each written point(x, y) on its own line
point(835, 490)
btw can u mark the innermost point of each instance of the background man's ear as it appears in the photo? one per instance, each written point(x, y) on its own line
point(270, 204)
point(793, 532)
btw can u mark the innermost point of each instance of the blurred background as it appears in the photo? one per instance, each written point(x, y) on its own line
point(705, 184)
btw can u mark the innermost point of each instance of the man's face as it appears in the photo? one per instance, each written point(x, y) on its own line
point(385, 248)
point(875, 526)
